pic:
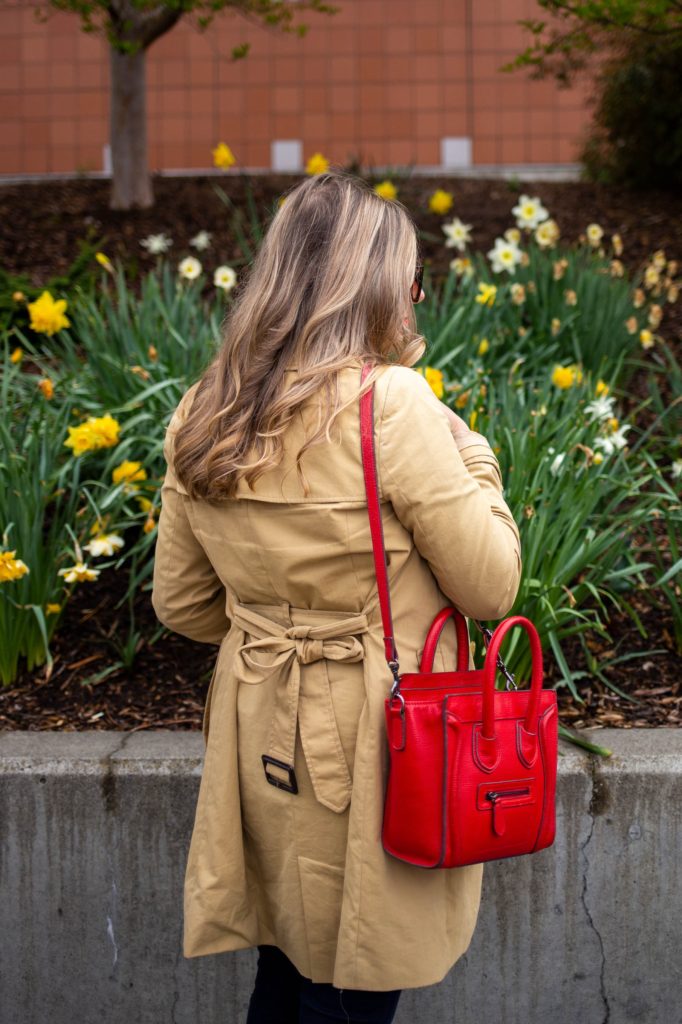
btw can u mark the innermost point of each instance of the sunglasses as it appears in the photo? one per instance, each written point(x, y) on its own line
point(416, 288)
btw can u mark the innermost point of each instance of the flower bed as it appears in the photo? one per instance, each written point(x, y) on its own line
point(554, 351)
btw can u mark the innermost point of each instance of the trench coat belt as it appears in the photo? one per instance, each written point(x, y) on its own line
point(279, 652)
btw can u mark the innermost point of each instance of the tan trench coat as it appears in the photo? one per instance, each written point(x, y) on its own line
point(285, 584)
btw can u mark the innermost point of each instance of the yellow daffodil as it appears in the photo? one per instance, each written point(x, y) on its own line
point(658, 259)
point(646, 339)
point(18, 296)
point(104, 544)
point(673, 293)
point(462, 399)
point(564, 377)
point(571, 297)
point(513, 235)
point(317, 164)
point(79, 573)
point(386, 189)
point(631, 325)
point(223, 156)
point(145, 504)
point(17, 355)
point(617, 269)
point(11, 568)
point(435, 379)
point(651, 277)
point(128, 471)
point(96, 432)
point(440, 202)
point(486, 294)
point(617, 243)
point(602, 388)
point(149, 525)
point(152, 353)
point(104, 261)
point(52, 608)
point(655, 316)
point(47, 314)
point(46, 387)
point(518, 294)
point(483, 347)
point(473, 416)
point(555, 326)
point(639, 298)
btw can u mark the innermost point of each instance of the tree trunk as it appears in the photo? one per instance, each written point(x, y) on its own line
point(131, 181)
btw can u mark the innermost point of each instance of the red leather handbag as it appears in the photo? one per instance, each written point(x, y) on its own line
point(472, 769)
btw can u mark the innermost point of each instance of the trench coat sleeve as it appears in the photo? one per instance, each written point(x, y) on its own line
point(187, 594)
point(449, 499)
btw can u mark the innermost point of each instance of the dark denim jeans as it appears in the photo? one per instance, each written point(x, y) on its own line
point(283, 996)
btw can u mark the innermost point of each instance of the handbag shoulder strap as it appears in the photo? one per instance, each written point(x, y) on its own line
point(369, 466)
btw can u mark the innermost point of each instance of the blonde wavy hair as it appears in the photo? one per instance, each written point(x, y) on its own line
point(330, 284)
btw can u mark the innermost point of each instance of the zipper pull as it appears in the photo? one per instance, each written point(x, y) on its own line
point(497, 820)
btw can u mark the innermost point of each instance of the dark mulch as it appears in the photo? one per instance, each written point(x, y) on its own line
point(166, 684)
point(42, 222)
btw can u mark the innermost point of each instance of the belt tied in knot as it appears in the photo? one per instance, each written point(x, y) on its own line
point(277, 654)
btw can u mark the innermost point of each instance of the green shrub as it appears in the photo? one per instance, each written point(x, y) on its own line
point(636, 136)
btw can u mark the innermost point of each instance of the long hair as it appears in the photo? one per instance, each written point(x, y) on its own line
point(330, 284)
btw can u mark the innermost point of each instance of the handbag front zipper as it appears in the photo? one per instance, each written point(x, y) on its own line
point(494, 796)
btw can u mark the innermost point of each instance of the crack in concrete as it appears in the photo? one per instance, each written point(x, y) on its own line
point(108, 785)
point(597, 798)
point(108, 782)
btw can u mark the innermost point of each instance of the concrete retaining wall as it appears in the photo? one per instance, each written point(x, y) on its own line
point(94, 830)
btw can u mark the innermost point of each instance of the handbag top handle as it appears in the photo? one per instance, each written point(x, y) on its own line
point(369, 466)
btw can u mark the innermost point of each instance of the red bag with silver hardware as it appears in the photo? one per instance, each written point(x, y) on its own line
point(472, 769)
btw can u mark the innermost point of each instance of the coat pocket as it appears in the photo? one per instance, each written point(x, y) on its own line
point(322, 891)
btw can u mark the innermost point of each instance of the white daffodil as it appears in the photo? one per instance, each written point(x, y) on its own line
point(594, 233)
point(462, 266)
point(513, 235)
point(104, 544)
point(225, 278)
point(201, 241)
point(600, 408)
point(613, 442)
point(676, 469)
point(529, 212)
point(457, 234)
point(557, 463)
point(79, 573)
point(156, 244)
point(505, 256)
point(189, 268)
point(547, 234)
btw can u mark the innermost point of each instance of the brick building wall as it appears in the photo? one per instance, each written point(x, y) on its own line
point(386, 81)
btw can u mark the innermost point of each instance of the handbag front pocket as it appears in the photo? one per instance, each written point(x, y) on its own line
point(499, 798)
